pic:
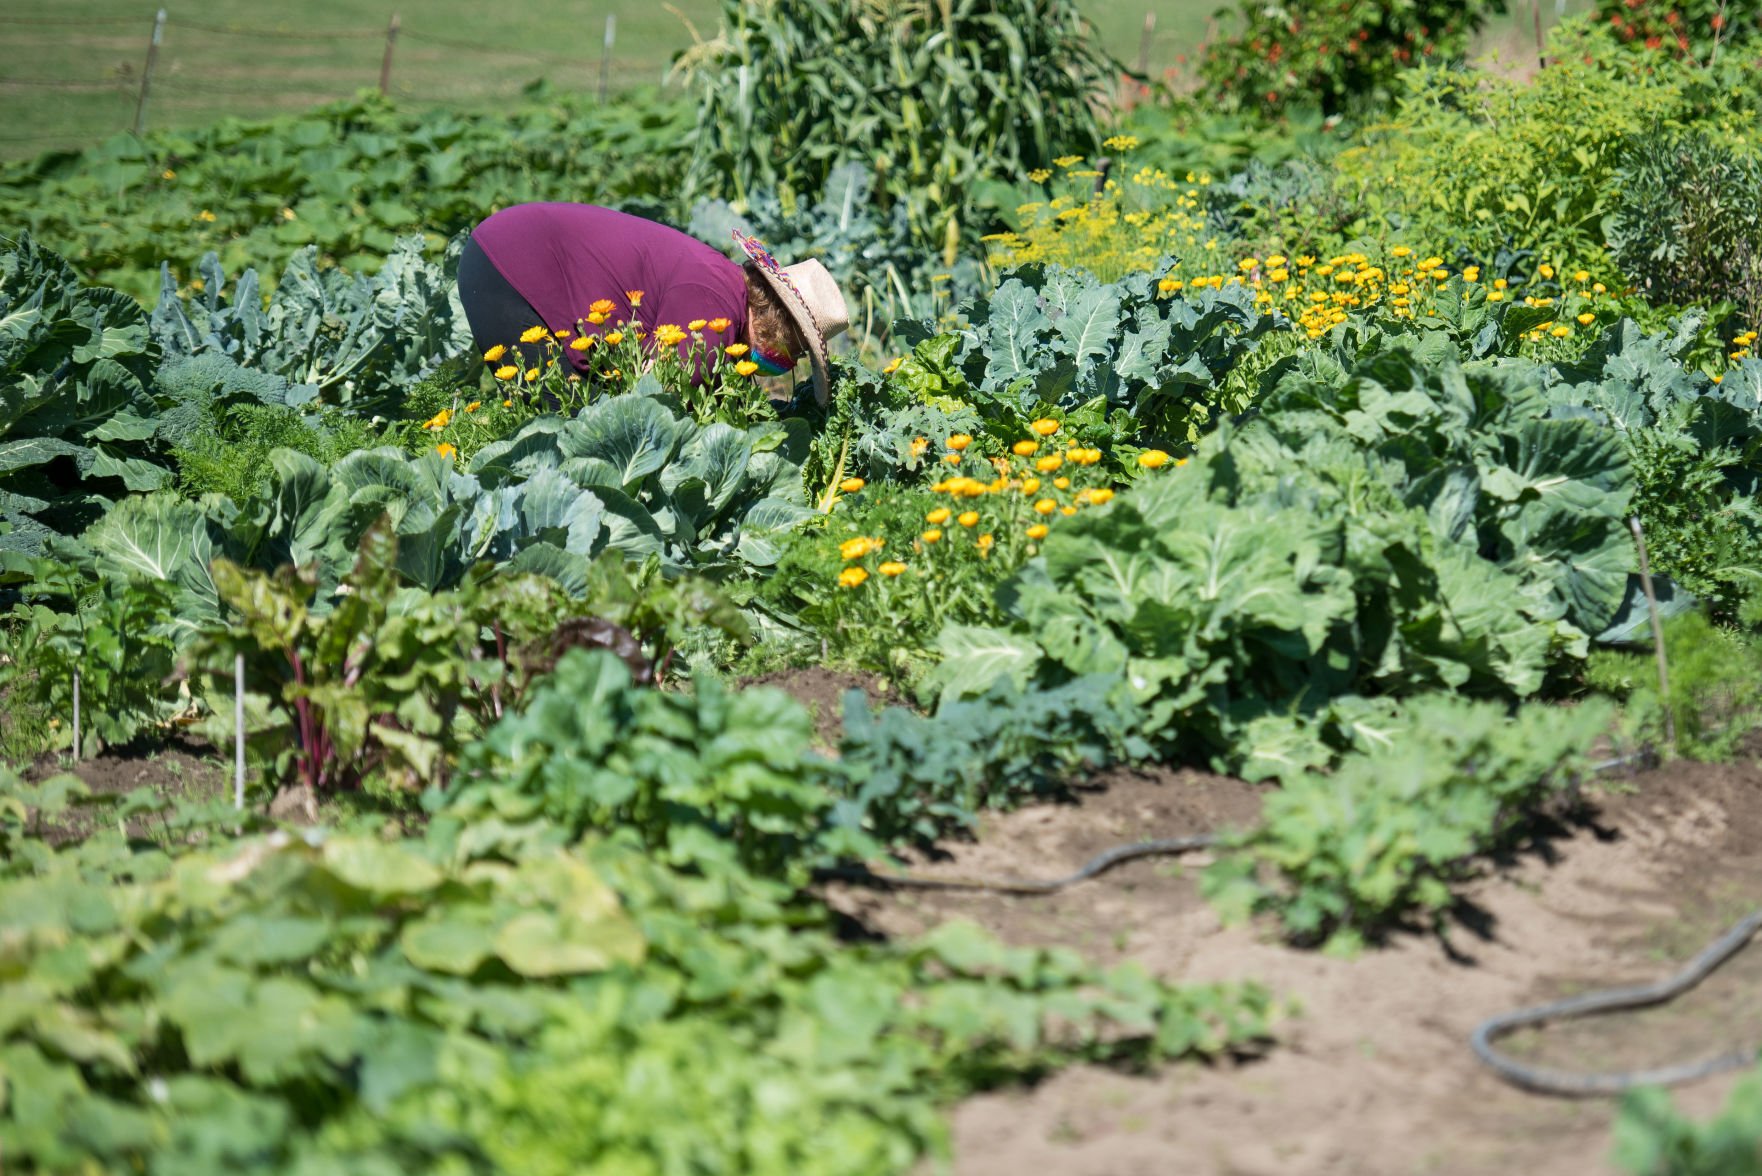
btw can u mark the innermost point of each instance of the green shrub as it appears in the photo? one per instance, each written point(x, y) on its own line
point(1487, 163)
point(937, 99)
point(1330, 53)
point(1686, 220)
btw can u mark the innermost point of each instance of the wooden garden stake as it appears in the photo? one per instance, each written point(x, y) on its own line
point(76, 716)
point(1144, 42)
point(1657, 634)
point(385, 63)
point(238, 720)
point(1536, 16)
point(147, 71)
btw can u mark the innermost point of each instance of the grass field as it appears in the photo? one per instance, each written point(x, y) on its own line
point(74, 71)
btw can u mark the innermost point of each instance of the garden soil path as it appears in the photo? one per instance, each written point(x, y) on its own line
point(1374, 1074)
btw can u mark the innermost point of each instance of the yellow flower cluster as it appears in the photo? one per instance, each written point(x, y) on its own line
point(1021, 497)
point(1124, 229)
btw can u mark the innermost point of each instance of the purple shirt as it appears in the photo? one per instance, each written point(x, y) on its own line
point(563, 258)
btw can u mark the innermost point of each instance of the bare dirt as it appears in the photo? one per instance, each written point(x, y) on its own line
point(1373, 1074)
point(822, 691)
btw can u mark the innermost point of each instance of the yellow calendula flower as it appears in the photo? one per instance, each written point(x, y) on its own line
point(1100, 495)
point(613, 338)
point(494, 353)
point(719, 324)
point(1582, 276)
point(1045, 506)
point(1169, 286)
point(439, 420)
point(1547, 271)
point(1587, 319)
point(984, 543)
point(933, 535)
point(507, 404)
point(1067, 511)
point(1599, 288)
point(1025, 448)
point(1401, 251)
point(474, 406)
point(634, 297)
point(968, 518)
point(959, 442)
point(859, 547)
point(939, 516)
point(669, 335)
point(852, 577)
point(1045, 426)
point(1062, 483)
point(1495, 296)
point(601, 306)
point(531, 375)
point(851, 485)
point(893, 365)
point(596, 318)
point(1152, 459)
point(746, 367)
point(1039, 531)
point(697, 324)
point(534, 334)
point(446, 450)
point(507, 372)
point(952, 458)
point(1030, 485)
point(891, 568)
point(920, 446)
point(1049, 463)
point(581, 343)
point(736, 349)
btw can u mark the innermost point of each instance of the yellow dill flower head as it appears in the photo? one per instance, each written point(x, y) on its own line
point(1152, 459)
point(1068, 160)
point(746, 367)
point(1120, 142)
point(968, 518)
point(851, 485)
point(1039, 531)
point(1045, 426)
point(1039, 175)
point(494, 353)
point(939, 516)
point(852, 577)
point(1025, 448)
point(534, 334)
point(933, 535)
point(959, 442)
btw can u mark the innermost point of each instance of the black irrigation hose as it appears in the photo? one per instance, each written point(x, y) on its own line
point(1098, 864)
point(1544, 1080)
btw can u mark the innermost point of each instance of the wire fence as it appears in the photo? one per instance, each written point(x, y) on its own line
point(181, 70)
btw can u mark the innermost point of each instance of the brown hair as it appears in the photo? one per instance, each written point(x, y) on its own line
point(768, 322)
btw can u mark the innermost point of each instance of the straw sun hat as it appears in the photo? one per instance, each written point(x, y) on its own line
point(813, 300)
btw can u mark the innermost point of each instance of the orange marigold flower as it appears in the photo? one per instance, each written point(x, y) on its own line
point(634, 297)
point(719, 324)
point(601, 306)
